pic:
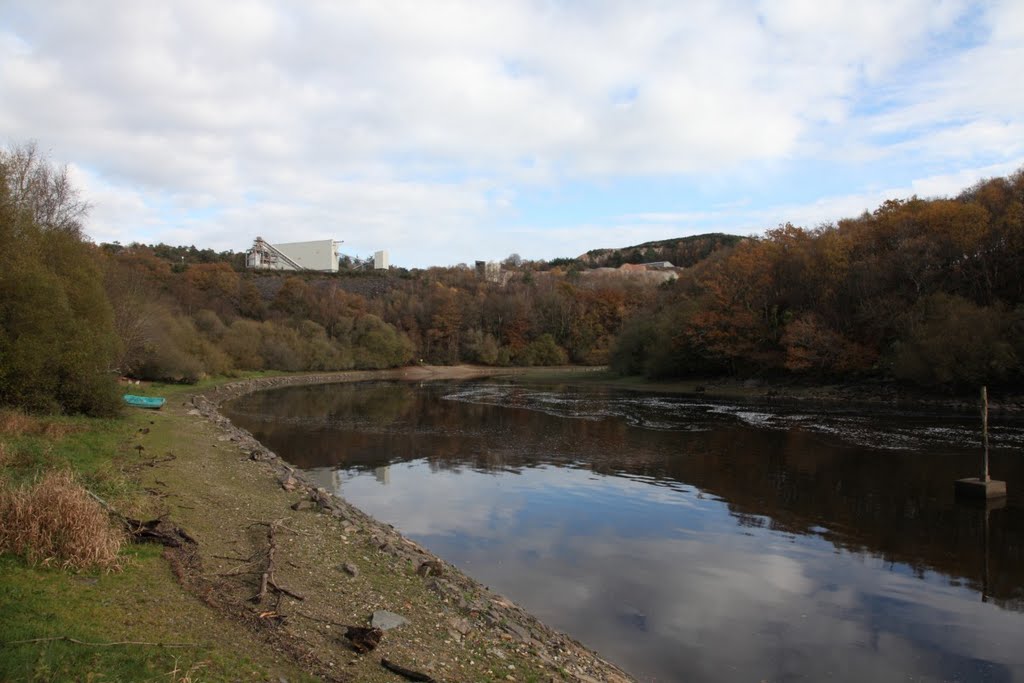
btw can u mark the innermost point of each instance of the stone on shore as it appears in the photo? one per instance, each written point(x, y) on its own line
point(385, 620)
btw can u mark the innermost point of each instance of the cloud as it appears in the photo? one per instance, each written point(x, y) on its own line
point(421, 126)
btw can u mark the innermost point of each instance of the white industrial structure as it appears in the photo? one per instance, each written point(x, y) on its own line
point(380, 260)
point(321, 255)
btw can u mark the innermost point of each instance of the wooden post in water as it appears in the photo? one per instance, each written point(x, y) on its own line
point(984, 487)
point(984, 430)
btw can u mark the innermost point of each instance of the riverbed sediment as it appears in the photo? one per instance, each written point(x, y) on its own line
point(335, 566)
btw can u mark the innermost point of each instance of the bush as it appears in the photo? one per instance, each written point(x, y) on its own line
point(634, 346)
point(482, 347)
point(177, 354)
point(56, 522)
point(242, 343)
point(376, 344)
point(210, 324)
point(952, 341)
point(814, 348)
point(543, 351)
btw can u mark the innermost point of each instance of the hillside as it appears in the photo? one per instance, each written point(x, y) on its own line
point(683, 252)
point(921, 291)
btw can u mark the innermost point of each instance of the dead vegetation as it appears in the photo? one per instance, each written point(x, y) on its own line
point(55, 522)
point(17, 423)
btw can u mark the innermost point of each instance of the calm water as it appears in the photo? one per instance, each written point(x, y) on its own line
point(688, 540)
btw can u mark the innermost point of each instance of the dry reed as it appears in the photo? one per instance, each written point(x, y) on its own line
point(55, 522)
point(17, 423)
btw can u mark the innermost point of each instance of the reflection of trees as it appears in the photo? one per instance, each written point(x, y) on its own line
point(894, 505)
point(324, 404)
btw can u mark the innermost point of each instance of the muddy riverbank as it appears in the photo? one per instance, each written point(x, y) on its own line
point(237, 498)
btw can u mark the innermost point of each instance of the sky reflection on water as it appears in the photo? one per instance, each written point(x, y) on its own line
point(715, 552)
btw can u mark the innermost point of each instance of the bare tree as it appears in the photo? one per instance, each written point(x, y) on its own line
point(41, 192)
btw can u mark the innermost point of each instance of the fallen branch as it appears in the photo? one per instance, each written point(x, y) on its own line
point(154, 531)
point(237, 569)
point(282, 589)
point(69, 639)
point(157, 531)
point(267, 579)
point(408, 674)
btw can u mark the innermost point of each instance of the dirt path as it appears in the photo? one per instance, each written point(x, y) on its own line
point(331, 566)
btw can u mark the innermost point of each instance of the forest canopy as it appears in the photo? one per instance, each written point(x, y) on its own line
point(927, 292)
point(920, 291)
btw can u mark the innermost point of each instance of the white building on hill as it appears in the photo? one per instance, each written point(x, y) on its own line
point(321, 255)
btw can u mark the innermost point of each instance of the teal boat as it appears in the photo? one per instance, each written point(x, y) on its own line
point(151, 402)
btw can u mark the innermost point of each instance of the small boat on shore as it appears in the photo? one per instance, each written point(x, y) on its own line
point(151, 402)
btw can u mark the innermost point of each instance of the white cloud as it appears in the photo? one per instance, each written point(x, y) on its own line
point(405, 119)
point(831, 209)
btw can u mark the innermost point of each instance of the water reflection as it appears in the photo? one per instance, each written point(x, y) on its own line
point(688, 540)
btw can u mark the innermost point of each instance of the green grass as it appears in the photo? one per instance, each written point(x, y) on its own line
point(88, 447)
point(103, 608)
point(143, 602)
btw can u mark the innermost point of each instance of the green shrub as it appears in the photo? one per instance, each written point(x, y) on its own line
point(57, 343)
point(952, 341)
point(542, 351)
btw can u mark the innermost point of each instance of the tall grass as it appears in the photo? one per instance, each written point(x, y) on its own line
point(17, 423)
point(54, 522)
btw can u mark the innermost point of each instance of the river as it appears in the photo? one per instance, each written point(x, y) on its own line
point(688, 539)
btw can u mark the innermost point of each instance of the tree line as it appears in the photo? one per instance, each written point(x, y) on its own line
point(924, 291)
point(921, 291)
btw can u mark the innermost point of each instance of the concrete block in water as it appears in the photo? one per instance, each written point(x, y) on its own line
point(975, 487)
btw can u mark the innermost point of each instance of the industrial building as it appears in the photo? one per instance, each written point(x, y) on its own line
point(321, 255)
point(489, 271)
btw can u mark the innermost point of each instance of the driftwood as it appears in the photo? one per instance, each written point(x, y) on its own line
point(267, 579)
point(408, 674)
point(156, 530)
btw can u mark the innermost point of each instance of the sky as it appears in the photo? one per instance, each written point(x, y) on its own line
point(449, 131)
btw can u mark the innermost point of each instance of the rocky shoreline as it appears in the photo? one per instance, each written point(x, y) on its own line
point(468, 611)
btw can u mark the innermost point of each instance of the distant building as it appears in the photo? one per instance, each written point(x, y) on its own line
point(489, 271)
point(321, 255)
point(380, 260)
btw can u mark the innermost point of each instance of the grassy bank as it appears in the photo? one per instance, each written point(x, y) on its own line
point(164, 633)
point(159, 619)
